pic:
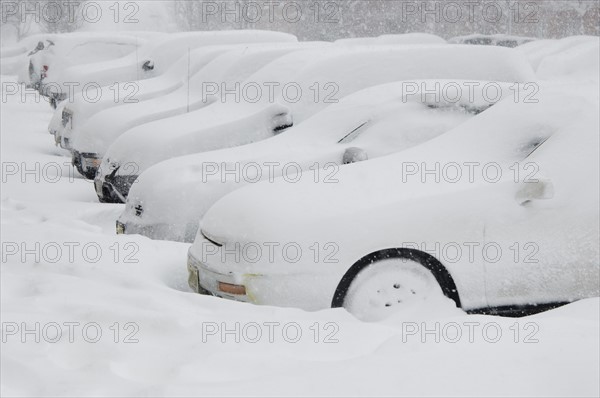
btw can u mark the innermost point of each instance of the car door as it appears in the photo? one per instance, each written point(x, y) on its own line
point(542, 245)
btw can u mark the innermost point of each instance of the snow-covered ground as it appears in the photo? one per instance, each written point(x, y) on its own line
point(86, 312)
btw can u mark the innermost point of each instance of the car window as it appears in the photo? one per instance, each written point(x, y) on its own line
point(507, 43)
point(474, 110)
point(531, 146)
point(351, 136)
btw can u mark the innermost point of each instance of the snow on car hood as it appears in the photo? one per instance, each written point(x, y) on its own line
point(374, 191)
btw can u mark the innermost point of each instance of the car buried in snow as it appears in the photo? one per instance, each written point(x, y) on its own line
point(345, 71)
point(399, 232)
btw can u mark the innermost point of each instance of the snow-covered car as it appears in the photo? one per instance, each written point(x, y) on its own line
point(90, 143)
point(351, 70)
point(168, 200)
point(491, 40)
point(406, 38)
point(75, 112)
point(152, 59)
point(398, 232)
point(52, 59)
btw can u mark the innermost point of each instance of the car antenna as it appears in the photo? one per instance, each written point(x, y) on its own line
point(188, 82)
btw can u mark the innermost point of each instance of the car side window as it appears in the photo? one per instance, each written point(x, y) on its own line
point(531, 146)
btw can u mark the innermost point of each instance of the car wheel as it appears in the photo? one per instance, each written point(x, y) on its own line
point(390, 286)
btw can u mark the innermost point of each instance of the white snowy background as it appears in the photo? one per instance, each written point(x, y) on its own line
point(62, 265)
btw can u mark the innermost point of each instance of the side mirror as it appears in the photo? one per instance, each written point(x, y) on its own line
point(148, 65)
point(540, 189)
point(353, 155)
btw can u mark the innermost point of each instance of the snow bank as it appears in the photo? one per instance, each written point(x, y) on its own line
point(172, 353)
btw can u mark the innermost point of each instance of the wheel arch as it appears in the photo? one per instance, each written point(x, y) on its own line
point(438, 270)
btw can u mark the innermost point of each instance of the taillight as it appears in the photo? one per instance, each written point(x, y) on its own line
point(44, 70)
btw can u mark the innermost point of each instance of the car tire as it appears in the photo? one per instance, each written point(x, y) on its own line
point(393, 280)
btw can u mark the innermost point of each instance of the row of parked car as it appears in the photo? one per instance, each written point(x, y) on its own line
point(371, 174)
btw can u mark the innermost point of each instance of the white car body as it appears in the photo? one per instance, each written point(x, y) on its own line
point(351, 70)
point(191, 58)
point(376, 212)
point(169, 199)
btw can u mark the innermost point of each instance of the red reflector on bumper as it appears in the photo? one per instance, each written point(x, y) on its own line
point(232, 289)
